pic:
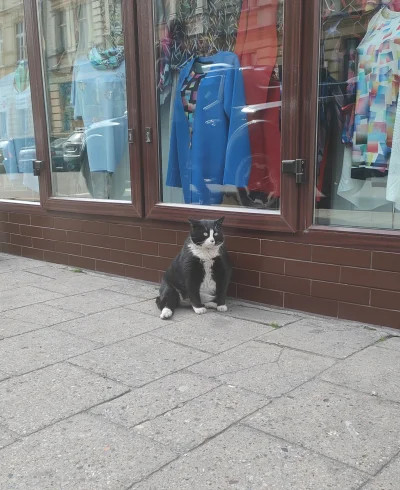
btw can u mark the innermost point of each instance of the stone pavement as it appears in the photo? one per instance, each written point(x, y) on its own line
point(96, 392)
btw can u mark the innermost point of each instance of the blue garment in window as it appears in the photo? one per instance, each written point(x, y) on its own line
point(219, 152)
point(99, 98)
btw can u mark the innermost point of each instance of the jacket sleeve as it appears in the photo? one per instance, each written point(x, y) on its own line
point(238, 153)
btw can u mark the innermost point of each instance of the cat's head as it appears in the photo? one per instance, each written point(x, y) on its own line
point(207, 233)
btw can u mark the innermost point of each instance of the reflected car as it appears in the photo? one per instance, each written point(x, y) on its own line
point(28, 154)
point(74, 150)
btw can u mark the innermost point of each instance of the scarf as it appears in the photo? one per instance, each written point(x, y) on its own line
point(107, 59)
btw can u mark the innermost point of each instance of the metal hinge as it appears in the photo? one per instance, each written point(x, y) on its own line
point(130, 136)
point(37, 167)
point(296, 167)
point(148, 135)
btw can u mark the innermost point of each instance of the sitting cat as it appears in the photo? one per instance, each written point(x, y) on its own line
point(199, 275)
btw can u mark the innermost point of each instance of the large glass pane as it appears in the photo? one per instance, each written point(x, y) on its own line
point(358, 163)
point(84, 69)
point(219, 85)
point(17, 141)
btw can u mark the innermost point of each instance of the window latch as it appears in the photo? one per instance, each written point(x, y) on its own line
point(148, 135)
point(296, 167)
point(37, 167)
point(130, 136)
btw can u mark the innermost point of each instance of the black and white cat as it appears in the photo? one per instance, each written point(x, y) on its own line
point(199, 275)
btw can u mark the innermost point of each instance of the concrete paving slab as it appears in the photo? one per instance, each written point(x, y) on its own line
point(74, 283)
point(257, 315)
point(388, 479)
point(373, 371)
point(264, 369)
point(34, 350)
point(35, 400)
point(212, 332)
point(139, 360)
point(23, 296)
point(325, 337)
point(57, 271)
point(150, 308)
point(136, 288)
point(154, 399)
point(244, 459)
point(111, 326)
point(186, 427)
point(351, 427)
point(6, 437)
point(19, 278)
point(41, 314)
point(93, 302)
point(14, 263)
point(10, 327)
point(81, 453)
point(392, 343)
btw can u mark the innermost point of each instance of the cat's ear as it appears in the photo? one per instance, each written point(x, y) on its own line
point(194, 222)
point(219, 222)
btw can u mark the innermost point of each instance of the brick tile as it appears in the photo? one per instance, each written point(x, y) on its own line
point(32, 253)
point(22, 219)
point(32, 231)
point(260, 263)
point(232, 290)
point(43, 221)
point(123, 231)
point(43, 244)
point(99, 227)
point(340, 292)
point(249, 278)
point(323, 272)
point(318, 306)
point(24, 241)
point(96, 240)
point(53, 234)
point(170, 251)
point(159, 235)
point(10, 228)
point(385, 299)
point(12, 249)
point(125, 258)
point(94, 252)
point(81, 262)
point(386, 261)
point(3, 216)
point(259, 295)
point(284, 283)
point(142, 273)
point(181, 237)
point(245, 245)
point(55, 257)
point(4, 237)
point(68, 248)
point(341, 256)
point(110, 268)
point(68, 224)
point(141, 247)
point(371, 278)
point(368, 314)
point(159, 263)
point(287, 250)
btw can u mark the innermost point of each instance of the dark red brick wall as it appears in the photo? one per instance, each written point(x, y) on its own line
point(348, 283)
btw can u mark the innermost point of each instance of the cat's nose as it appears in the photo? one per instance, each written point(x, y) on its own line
point(212, 240)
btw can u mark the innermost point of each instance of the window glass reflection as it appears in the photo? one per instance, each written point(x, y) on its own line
point(86, 99)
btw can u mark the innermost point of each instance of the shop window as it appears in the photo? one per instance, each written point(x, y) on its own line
point(358, 137)
point(17, 141)
point(87, 104)
point(61, 31)
point(219, 85)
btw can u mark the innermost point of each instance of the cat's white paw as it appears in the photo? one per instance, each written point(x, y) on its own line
point(222, 308)
point(166, 313)
point(211, 305)
point(200, 311)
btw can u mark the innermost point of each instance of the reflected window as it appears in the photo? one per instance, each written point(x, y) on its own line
point(358, 137)
point(17, 141)
point(219, 84)
point(86, 99)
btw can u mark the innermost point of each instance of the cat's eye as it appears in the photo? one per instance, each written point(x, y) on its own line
point(205, 234)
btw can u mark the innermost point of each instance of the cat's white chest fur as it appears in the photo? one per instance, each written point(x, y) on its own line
point(208, 286)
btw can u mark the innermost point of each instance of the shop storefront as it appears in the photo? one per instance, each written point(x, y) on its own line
point(121, 119)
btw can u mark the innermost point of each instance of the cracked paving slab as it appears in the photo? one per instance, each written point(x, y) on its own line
point(23, 296)
point(325, 337)
point(83, 452)
point(40, 315)
point(259, 315)
point(35, 400)
point(139, 360)
point(188, 426)
point(243, 458)
point(263, 368)
point(351, 427)
point(155, 399)
point(6, 437)
point(388, 479)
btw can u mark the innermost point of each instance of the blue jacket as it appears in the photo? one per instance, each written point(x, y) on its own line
point(219, 153)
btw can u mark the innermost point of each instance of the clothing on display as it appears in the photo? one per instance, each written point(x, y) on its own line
point(196, 165)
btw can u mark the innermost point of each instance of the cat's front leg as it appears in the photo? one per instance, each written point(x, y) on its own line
point(222, 291)
point(193, 291)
